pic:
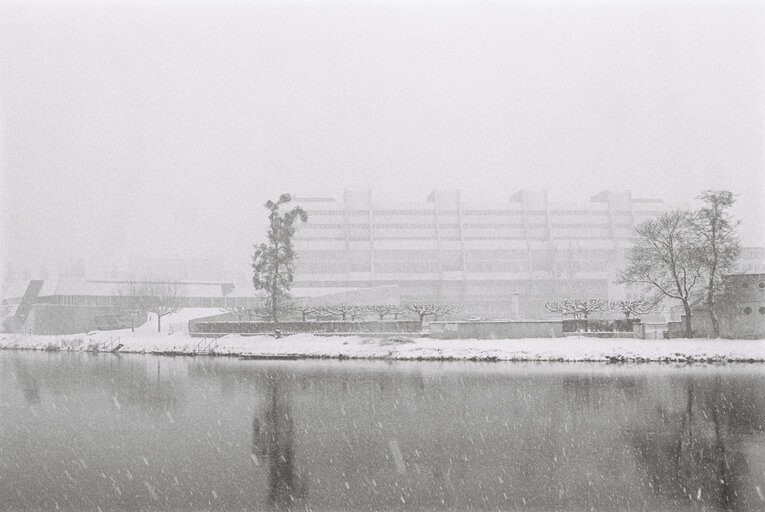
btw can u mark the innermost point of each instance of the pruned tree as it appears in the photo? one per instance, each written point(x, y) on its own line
point(344, 311)
point(586, 307)
point(423, 310)
point(631, 307)
point(381, 310)
point(564, 307)
point(718, 245)
point(307, 309)
point(273, 263)
point(664, 259)
point(577, 308)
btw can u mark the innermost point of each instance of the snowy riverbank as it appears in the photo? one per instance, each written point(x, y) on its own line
point(402, 348)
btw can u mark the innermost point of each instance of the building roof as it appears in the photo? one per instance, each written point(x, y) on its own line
point(67, 287)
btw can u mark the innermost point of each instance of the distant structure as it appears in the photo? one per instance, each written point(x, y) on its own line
point(498, 260)
point(71, 306)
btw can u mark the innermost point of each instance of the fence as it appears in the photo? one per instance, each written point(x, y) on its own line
point(598, 325)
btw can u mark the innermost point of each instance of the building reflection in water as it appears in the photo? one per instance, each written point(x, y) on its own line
point(273, 440)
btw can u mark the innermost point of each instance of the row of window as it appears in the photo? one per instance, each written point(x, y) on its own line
point(748, 310)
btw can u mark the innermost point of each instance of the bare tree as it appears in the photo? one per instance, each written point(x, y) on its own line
point(307, 309)
point(631, 307)
point(344, 311)
point(718, 243)
point(381, 310)
point(578, 308)
point(161, 298)
point(423, 310)
point(665, 260)
point(564, 307)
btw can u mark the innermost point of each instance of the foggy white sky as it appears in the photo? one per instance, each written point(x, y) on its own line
point(162, 128)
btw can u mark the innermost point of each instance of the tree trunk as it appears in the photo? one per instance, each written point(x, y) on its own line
point(159, 323)
point(688, 326)
point(586, 324)
point(713, 314)
point(422, 318)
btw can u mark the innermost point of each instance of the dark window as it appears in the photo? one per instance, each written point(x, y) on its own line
point(748, 310)
point(745, 285)
point(762, 285)
point(762, 310)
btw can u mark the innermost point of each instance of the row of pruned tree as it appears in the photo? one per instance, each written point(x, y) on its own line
point(581, 309)
point(684, 254)
point(273, 266)
point(343, 311)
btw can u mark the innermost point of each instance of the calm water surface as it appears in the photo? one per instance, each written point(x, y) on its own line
point(85, 431)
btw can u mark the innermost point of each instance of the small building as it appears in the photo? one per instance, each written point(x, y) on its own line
point(743, 317)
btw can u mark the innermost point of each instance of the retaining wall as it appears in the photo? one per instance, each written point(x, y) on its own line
point(497, 329)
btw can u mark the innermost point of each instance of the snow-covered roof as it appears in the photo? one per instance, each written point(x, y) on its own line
point(60, 287)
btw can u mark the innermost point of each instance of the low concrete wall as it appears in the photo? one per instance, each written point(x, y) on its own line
point(498, 329)
point(197, 327)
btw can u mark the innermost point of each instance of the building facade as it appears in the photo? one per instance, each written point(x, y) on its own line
point(492, 260)
point(742, 317)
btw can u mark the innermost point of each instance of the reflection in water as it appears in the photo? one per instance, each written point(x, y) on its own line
point(273, 439)
point(30, 386)
point(122, 433)
point(697, 453)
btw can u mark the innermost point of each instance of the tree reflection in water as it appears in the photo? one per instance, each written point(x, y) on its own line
point(30, 386)
point(698, 454)
point(273, 439)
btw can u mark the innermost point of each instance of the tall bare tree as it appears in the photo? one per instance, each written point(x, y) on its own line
point(718, 243)
point(273, 263)
point(664, 260)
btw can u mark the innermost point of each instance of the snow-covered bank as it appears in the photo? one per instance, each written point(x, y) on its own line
point(401, 348)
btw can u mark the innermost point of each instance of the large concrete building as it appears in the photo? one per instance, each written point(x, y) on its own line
point(486, 257)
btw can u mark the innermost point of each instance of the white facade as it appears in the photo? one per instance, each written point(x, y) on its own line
point(475, 255)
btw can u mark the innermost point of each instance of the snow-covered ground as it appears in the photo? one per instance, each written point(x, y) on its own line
point(402, 348)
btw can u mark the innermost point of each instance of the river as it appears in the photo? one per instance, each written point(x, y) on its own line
point(83, 431)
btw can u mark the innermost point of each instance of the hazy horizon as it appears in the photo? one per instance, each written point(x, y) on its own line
point(160, 129)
